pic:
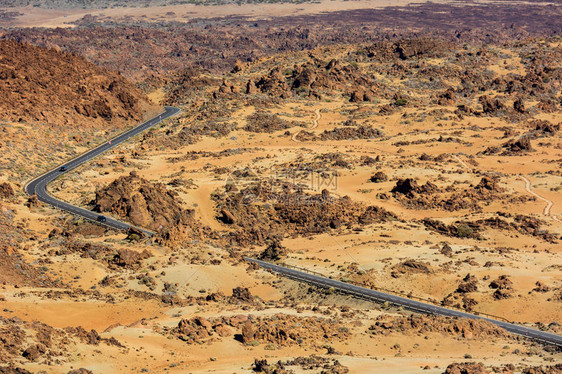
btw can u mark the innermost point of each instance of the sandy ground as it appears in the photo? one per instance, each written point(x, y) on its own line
point(36, 17)
point(396, 241)
point(365, 254)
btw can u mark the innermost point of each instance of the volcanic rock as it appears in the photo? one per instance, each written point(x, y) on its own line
point(143, 203)
point(520, 145)
point(274, 251)
point(519, 106)
point(6, 190)
point(248, 333)
point(503, 286)
point(241, 294)
point(285, 330)
point(466, 368)
point(490, 105)
point(488, 184)
point(35, 80)
point(200, 329)
point(465, 328)
point(410, 187)
point(502, 282)
point(128, 259)
point(541, 287)
point(468, 284)
point(379, 177)
point(409, 267)
point(545, 127)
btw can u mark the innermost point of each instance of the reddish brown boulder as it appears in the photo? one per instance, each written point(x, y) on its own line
point(519, 106)
point(379, 177)
point(503, 286)
point(410, 187)
point(6, 190)
point(488, 184)
point(134, 234)
point(466, 368)
point(128, 259)
point(520, 145)
point(541, 287)
point(468, 284)
point(227, 217)
point(356, 97)
point(251, 87)
point(502, 282)
point(222, 330)
point(33, 352)
point(32, 201)
point(241, 294)
point(490, 105)
point(248, 333)
point(274, 251)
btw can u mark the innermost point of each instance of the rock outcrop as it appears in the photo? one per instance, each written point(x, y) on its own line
point(286, 330)
point(503, 287)
point(412, 324)
point(379, 177)
point(289, 211)
point(40, 343)
point(200, 329)
point(6, 190)
point(145, 204)
point(466, 368)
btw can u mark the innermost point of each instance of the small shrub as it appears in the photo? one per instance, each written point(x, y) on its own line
point(464, 231)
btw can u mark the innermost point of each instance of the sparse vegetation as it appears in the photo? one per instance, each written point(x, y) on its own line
point(337, 143)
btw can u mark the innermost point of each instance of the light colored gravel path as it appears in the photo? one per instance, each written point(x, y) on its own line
point(464, 164)
point(314, 125)
point(549, 203)
point(528, 187)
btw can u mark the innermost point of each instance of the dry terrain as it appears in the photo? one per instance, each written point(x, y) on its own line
point(428, 166)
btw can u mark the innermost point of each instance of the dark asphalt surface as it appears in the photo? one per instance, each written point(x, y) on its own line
point(38, 186)
point(413, 305)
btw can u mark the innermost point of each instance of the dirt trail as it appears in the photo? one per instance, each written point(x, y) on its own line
point(528, 186)
point(315, 121)
point(314, 125)
point(464, 164)
point(206, 207)
point(549, 203)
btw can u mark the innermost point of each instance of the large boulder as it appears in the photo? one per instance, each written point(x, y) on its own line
point(142, 203)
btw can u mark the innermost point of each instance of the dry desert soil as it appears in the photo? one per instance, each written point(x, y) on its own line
point(409, 147)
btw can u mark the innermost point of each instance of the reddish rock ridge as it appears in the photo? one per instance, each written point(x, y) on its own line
point(34, 81)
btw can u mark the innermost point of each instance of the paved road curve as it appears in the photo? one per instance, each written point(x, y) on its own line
point(38, 186)
point(413, 305)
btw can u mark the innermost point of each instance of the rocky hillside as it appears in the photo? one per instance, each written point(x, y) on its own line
point(14, 269)
point(137, 48)
point(47, 86)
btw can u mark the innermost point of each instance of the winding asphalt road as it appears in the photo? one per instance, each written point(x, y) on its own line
point(38, 186)
point(416, 306)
